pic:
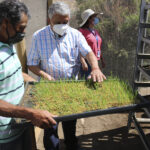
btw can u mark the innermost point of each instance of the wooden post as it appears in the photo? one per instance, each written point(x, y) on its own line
point(49, 2)
point(21, 51)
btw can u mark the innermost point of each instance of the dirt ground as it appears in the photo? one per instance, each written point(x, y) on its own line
point(104, 133)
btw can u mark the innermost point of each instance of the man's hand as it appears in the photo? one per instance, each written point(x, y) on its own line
point(39, 72)
point(84, 64)
point(48, 77)
point(97, 75)
point(42, 119)
point(28, 78)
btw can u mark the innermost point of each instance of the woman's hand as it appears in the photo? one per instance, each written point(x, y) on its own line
point(85, 66)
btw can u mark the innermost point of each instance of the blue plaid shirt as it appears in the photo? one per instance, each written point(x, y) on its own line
point(58, 56)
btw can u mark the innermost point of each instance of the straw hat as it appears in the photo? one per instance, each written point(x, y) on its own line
point(85, 16)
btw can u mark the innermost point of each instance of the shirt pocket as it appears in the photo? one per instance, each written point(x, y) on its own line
point(74, 52)
point(74, 55)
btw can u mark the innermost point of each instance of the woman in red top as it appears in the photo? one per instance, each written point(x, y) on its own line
point(93, 39)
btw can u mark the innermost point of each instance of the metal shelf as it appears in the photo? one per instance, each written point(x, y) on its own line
point(140, 70)
point(147, 6)
point(146, 40)
point(143, 56)
point(142, 84)
point(144, 25)
point(145, 72)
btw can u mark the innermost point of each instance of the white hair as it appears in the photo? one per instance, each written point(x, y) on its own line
point(58, 8)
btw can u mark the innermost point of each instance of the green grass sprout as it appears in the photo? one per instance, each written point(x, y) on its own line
point(64, 98)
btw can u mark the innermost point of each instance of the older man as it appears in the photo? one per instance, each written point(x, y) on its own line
point(13, 21)
point(55, 54)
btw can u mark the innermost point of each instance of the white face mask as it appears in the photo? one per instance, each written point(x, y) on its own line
point(60, 29)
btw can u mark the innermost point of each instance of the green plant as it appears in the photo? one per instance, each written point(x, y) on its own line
point(62, 98)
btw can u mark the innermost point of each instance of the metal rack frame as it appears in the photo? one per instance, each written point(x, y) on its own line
point(140, 71)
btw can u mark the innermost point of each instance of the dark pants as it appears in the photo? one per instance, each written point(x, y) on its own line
point(23, 142)
point(51, 140)
point(85, 74)
point(15, 145)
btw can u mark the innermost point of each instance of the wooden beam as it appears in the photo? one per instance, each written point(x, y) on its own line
point(49, 2)
point(21, 51)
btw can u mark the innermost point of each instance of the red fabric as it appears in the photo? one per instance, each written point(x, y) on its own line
point(91, 40)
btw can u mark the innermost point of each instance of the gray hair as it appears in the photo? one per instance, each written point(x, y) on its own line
point(58, 8)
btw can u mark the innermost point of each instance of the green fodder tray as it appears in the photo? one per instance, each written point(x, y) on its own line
point(72, 97)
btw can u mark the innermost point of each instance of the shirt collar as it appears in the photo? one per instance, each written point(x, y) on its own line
point(5, 44)
point(51, 31)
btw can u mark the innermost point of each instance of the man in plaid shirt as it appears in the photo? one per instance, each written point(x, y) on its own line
point(55, 54)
